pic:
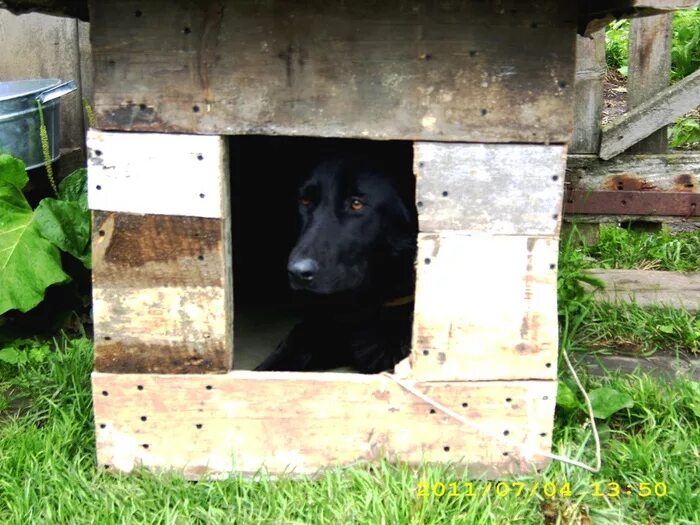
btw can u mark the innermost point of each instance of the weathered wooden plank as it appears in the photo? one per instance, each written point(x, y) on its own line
point(282, 423)
point(41, 46)
point(676, 172)
point(496, 189)
point(161, 294)
point(649, 70)
point(639, 203)
point(647, 287)
point(79, 8)
point(660, 110)
point(588, 97)
point(157, 173)
point(485, 307)
point(86, 67)
point(398, 70)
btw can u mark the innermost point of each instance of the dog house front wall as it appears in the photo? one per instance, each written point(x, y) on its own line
point(466, 72)
point(413, 70)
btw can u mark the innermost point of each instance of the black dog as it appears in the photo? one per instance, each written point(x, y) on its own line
point(354, 262)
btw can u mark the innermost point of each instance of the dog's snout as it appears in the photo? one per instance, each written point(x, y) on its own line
point(303, 269)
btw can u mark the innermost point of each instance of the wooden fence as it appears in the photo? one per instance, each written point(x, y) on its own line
point(623, 171)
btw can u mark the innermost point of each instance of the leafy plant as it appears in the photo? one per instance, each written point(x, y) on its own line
point(21, 352)
point(685, 132)
point(573, 297)
point(30, 239)
point(685, 43)
point(616, 46)
point(605, 400)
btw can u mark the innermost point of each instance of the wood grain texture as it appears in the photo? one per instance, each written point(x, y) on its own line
point(406, 69)
point(649, 70)
point(157, 173)
point(659, 110)
point(672, 172)
point(649, 288)
point(485, 308)
point(491, 188)
point(86, 67)
point(300, 423)
point(590, 69)
point(675, 172)
point(161, 294)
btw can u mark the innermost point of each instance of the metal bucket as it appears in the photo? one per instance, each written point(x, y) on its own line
point(19, 118)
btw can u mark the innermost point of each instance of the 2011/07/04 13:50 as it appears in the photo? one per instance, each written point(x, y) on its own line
point(548, 489)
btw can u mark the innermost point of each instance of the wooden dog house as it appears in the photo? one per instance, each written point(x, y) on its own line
point(485, 92)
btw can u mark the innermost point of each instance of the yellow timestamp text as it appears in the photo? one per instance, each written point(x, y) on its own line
point(548, 489)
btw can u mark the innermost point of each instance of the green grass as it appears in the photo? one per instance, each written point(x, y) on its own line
point(47, 444)
point(628, 327)
point(624, 248)
point(637, 330)
point(48, 474)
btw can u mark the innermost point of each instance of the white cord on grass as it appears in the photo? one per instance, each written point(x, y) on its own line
point(527, 450)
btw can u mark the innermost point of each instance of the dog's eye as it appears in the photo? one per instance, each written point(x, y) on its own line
point(304, 201)
point(356, 204)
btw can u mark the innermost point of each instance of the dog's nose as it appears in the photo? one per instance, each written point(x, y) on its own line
point(303, 269)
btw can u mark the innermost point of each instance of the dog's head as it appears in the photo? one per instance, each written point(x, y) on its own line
point(358, 224)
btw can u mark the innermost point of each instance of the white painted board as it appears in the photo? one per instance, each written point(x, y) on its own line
point(157, 173)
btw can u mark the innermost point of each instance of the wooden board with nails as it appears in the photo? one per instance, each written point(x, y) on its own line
point(410, 70)
point(300, 423)
point(161, 245)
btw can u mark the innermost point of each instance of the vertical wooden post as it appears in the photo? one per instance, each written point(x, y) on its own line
point(588, 89)
point(588, 112)
point(649, 70)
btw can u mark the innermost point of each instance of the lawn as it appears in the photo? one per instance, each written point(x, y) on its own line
point(48, 474)
point(651, 448)
point(643, 331)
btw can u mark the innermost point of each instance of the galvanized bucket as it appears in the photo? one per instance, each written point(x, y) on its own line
point(19, 117)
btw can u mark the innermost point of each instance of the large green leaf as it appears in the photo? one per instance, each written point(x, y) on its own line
point(606, 401)
point(65, 224)
point(12, 170)
point(28, 262)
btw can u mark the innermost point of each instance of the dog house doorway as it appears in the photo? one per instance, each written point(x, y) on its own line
point(266, 173)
